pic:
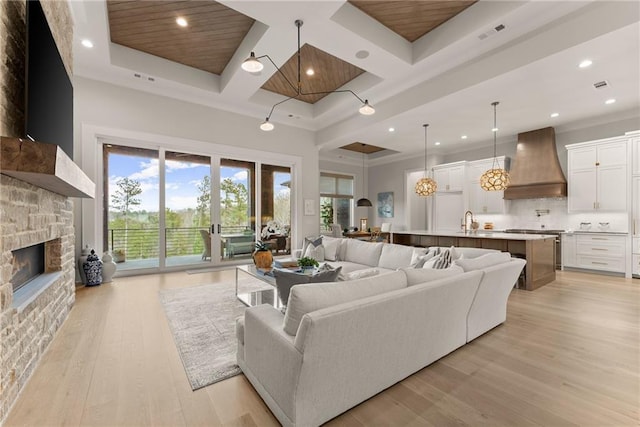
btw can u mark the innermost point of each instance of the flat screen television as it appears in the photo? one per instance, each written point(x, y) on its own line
point(49, 93)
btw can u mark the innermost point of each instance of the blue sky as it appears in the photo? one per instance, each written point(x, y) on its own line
point(181, 179)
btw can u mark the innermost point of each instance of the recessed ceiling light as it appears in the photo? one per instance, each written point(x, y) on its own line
point(463, 137)
point(181, 21)
point(437, 143)
point(87, 43)
point(553, 115)
point(586, 63)
point(310, 72)
point(392, 129)
point(610, 101)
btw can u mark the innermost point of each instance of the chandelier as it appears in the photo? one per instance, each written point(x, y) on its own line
point(496, 178)
point(425, 185)
point(253, 65)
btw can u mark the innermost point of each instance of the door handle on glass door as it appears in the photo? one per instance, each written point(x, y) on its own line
point(219, 229)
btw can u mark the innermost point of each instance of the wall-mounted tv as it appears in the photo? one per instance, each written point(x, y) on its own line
point(49, 93)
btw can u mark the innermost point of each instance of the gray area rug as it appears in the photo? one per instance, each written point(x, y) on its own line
point(202, 319)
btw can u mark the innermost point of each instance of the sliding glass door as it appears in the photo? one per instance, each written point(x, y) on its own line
point(171, 209)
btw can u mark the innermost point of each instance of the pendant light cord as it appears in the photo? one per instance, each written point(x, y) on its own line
point(495, 131)
point(425, 149)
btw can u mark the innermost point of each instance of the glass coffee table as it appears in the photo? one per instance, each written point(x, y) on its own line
point(254, 287)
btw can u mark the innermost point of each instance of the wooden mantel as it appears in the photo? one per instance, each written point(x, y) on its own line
point(45, 166)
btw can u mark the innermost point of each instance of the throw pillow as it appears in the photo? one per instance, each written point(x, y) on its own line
point(286, 279)
point(331, 248)
point(421, 275)
point(440, 261)
point(315, 241)
point(315, 252)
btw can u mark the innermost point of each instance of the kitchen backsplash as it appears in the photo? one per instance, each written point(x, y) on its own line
point(523, 214)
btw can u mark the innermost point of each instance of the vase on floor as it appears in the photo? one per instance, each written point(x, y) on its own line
point(93, 269)
point(108, 267)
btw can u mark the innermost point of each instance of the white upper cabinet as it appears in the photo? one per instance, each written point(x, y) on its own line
point(598, 178)
point(634, 137)
point(481, 201)
point(449, 177)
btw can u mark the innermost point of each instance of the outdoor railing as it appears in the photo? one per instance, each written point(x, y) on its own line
point(144, 243)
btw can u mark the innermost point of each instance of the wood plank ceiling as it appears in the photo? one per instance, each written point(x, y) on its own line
point(212, 36)
point(411, 18)
point(361, 147)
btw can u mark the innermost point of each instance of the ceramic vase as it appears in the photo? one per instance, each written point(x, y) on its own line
point(93, 269)
point(81, 260)
point(263, 259)
point(108, 267)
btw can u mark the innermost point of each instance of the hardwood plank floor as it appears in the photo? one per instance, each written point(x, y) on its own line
point(567, 355)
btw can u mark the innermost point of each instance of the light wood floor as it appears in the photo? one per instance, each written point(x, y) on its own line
point(567, 355)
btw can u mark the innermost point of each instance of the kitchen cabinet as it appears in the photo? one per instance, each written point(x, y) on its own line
point(448, 211)
point(568, 250)
point(634, 139)
point(598, 176)
point(481, 201)
point(450, 177)
point(601, 251)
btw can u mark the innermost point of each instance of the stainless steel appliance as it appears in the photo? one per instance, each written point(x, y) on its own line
point(555, 233)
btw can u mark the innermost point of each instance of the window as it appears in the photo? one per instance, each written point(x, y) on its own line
point(336, 200)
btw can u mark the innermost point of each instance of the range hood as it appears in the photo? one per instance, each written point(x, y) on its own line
point(536, 171)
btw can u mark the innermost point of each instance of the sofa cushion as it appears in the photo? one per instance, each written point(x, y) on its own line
point(395, 256)
point(483, 261)
point(361, 252)
point(286, 279)
point(331, 248)
point(421, 275)
point(305, 299)
point(359, 274)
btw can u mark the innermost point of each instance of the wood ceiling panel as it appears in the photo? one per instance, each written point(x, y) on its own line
point(361, 147)
point(411, 18)
point(330, 74)
point(207, 43)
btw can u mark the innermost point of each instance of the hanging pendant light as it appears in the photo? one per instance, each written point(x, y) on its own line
point(363, 202)
point(496, 178)
point(425, 185)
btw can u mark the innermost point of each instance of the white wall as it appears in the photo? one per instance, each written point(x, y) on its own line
point(520, 213)
point(102, 109)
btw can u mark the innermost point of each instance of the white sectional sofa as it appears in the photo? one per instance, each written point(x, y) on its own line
point(340, 343)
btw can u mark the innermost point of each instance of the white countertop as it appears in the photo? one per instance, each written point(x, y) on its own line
point(618, 233)
point(480, 234)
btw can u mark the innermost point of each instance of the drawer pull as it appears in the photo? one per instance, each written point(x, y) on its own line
point(599, 263)
point(599, 249)
point(599, 238)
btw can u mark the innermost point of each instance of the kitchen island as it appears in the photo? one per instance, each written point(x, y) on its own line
point(537, 249)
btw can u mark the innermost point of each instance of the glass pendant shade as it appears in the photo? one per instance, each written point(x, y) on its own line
point(367, 109)
point(496, 178)
point(364, 202)
point(426, 187)
point(266, 125)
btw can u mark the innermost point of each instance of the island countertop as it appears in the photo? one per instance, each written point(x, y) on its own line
point(480, 234)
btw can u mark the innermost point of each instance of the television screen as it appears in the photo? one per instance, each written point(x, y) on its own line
point(49, 93)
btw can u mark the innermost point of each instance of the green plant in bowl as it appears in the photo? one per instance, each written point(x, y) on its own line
point(307, 262)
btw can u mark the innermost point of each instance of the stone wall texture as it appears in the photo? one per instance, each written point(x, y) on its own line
point(31, 215)
point(28, 214)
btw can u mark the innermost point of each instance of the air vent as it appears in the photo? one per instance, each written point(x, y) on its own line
point(601, 84)
point(491, 32)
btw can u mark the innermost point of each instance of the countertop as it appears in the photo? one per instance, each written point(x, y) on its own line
point(480, 234)
point(618, 233)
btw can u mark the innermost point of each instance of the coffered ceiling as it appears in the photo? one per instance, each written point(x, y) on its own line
point(416, 61)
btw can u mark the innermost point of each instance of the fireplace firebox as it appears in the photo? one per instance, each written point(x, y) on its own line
point(28, 263)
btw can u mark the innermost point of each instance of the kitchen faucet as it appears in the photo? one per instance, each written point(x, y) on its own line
point(470, 215)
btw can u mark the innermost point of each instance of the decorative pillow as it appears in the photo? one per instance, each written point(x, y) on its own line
point(440, 261)
point(315, 241)
point(331, 248)
point(286, 279)
point(483, 261)
point(315, 252)
point(420, 260)
point(422, 275)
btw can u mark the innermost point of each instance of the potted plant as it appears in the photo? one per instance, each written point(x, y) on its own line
point(262, 256)
point(119, 255)
point(307, 264)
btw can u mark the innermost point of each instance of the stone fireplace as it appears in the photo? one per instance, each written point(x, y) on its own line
point(37, 269)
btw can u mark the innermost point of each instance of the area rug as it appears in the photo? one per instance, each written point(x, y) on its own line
point(202, 319)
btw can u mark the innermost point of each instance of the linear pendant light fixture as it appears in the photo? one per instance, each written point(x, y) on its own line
point(496, 178)
point(253, 65)
point(425, 185)
point(363, 202)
